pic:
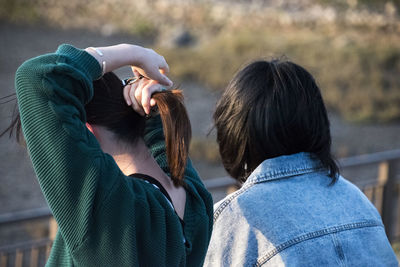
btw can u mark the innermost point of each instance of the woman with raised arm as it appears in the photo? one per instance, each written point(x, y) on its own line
point(293, 209)
point(119, 184)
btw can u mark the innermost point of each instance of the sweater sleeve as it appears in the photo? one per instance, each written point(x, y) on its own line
point(52, 90)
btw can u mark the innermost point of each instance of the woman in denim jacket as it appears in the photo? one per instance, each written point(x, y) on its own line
point(294, 209)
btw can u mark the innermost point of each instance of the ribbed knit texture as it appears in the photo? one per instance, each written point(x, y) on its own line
point(104, 217)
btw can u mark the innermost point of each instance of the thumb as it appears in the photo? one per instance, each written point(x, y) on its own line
point(164, 80)
point(153, 74)
point(160, 77)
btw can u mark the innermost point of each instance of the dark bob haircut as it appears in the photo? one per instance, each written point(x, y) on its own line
point(270, 109)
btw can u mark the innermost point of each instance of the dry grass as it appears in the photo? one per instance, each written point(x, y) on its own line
point(358, 71)
point(353, 48)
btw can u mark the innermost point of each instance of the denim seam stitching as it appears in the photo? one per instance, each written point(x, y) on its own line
point(282, 174)
point(319, 233)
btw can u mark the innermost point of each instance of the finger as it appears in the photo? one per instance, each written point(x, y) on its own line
point(162, 71)
point(147, 91)
point(135, 71)
point(158, 76)
point(126, 91)
point(164, 68)
point(135, 104)
point(141, 90)
point(137, 108)
point(157, 88)
point(154, 74)
point(138, 91)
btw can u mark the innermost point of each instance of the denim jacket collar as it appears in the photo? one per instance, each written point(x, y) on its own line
point(284, 166)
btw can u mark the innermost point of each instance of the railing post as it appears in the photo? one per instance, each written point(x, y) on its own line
point(387, 174)
point(19, 256)
point(34, 257)
point(379, 189)
point(3, 259)
point(52, 228)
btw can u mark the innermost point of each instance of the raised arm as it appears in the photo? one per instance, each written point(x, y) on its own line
point(52, 90)
point(144, 60)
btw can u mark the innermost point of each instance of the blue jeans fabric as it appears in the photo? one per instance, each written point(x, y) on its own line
point(288, 214)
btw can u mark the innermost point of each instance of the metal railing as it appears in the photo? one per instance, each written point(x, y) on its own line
point(31, 253)
point(27, 253)
point(25, 215)
point(383, 191)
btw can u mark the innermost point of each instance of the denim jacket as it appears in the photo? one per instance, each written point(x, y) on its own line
point(288, 214)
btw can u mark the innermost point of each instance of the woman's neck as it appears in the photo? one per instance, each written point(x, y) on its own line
point(134, 159)
point(141, 161)
point(138, 159)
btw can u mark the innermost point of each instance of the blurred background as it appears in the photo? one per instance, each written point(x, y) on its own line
point(352, 48)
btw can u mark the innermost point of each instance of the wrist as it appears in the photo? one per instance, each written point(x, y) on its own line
point(136, 55)
point(99, 56)
point(110, 57)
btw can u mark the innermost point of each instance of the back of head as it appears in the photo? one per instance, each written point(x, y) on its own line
point(270, 109)
point(109, 109)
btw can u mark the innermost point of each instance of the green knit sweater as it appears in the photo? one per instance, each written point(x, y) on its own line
point(105, 218)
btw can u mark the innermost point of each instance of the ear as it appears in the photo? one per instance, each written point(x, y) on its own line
point(90, 128)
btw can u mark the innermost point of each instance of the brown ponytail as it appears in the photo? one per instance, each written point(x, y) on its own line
point(177, 131)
